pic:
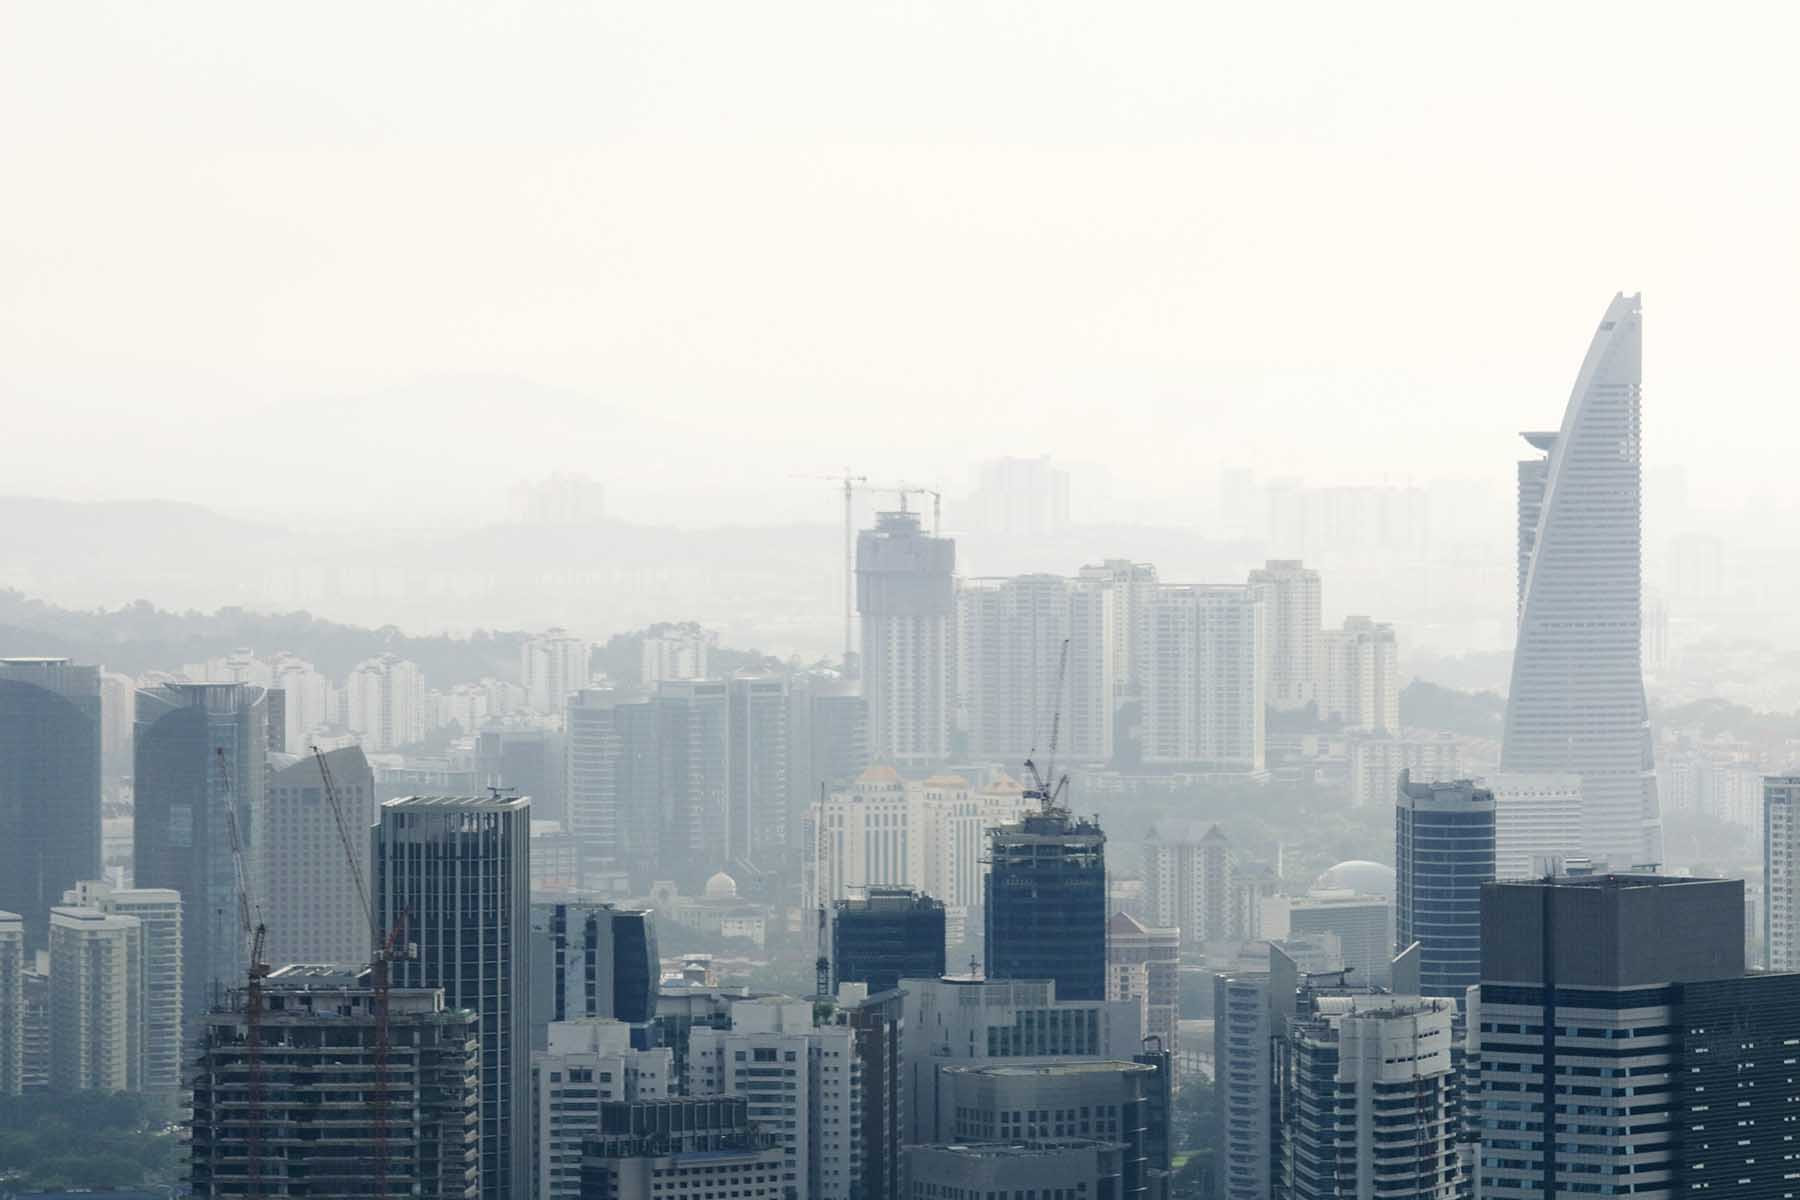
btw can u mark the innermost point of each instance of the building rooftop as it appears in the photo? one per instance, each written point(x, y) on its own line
point(460, 803)
point(1616, 881)
point(1053, 1070)
point(1037, 1149)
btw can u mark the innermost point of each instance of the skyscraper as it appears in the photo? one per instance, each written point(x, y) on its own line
point(384, 701)
point(589, 959)
point(312, 886)
point(595, 746)
point(96, 1001)
point(1443, 855)
point(1046, 903)
point(756, 805)
point(1359, 676)
point(158, 912)
point(1292, 599)
point(1576, 703)
point(49, 785)
point(12, 1003)
point(1537, 821)
point(1203, 683)
point(551, 665)
point(906, 595)
point(885, 936)
point(1781, 871)
point(202, 764)
point(454, 873)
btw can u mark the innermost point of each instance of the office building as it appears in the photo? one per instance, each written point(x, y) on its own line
point(589, 959)
point(158, 912)
point(1292, 598)
point(970, 1021)
point(12, 1003)
point(1144, 964)
point(598, 775)
point(452, 872)
point(1204, 689)
point(584, 1064)
point(875, 1022)
point(906, 597)
point(288, 1133)
point(201, 764)
point(1362, 925)
point(1045, 904)
point(693, 731)
point(530, 762)
point(1443, 854)
point(756, 805)
point(384, 702)
point(803, 1083)
point(1372, 1101)
point(884, 936)
point(1375, 763)
point(1781, 872)
point(1196, 882)
point(1053, 1169)
point(828, 739)
point(1537, 821)
point(863, 837)
point(312, 883)
point(49, 785)
point(686, 1149)
point(1576, 702)
point(551, 666)
point(1359, 677)
point(96, 1001)
point(1617, 1009)
point(1030, 1102)
point(1251, 1015)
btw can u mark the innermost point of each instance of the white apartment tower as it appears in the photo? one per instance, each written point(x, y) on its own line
point(551, 665)
point(1537, 822)
point(1204, 687)
point(865, 837)
point(1576, 703)
point(587, 1062)
point(96, 1001)
point(1132, 587)
point(1191, 883)
point(311, 881)
point(1010, 637)
point(384, 702)
point(158, 912)
point(1781, 871)
point(906, 595)
point(1292, 598)
point(803, 1084)
point(1359, 676)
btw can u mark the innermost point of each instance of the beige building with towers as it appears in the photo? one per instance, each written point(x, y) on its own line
point(158, 912)
point(96, 1001)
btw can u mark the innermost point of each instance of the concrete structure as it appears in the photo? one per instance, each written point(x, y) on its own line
point(1359, 677)
point(96, 1001)
point(1362, 925)
point(384, 702)
point(1373, 1101)
point(1585, 977)
point(962, 1021)
point(888, 935)
point(1045, 903)
point(1537, 820)
point(1144, 964)
point(589, 960)
point(1443, 855)
point(12, 1003)
point(1292, 598)
point(1193, 883)
point(1375, 763)
point(1132, 588)
point(1011, 634)
point(875, 1022)
point(50, 722)
point(687, 1149)
point(586, 1063)
point(1781, 872)
point(1049, 1169)
point(828, 744)
point(202, 763)
point(906, 596)
point(551, 666)
point(1204, 688)
point(1031, 1102)
point(158, 911)
point(452, 871)
point(599, 810)
point(1251, 1013)
point(756, 803)
point(1576, 702)
point(312, 890)
point(693, 745)
point(529, 761)
point(803, 1083)
point(318, 1033)
point(1020, 498)
point(863, 837)
point(675, 652)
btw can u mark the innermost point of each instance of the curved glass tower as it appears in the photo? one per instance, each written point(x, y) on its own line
point(1576, 703)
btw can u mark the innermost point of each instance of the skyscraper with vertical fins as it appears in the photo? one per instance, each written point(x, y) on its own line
point(1577, 703)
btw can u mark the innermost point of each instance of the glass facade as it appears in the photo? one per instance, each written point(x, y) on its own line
point(589, 959)
point(1046, 904)
point(1443, 853)
point(49, 785)
point(885, 938)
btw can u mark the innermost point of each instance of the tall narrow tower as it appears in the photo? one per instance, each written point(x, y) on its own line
point(906, 594)
point(49, 785)
point(1046, 903)
point(1576, 703)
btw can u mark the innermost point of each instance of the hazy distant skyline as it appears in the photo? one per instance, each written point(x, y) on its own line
point(397, 258)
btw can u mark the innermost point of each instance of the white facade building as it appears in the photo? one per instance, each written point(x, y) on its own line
point(803, 1083)
point(1359, 676)
point(1192, 883)
point(1292, 599)
point(551, 665)
point(1375, 764)
point(675, 652)
point(1781, 872)
point(1204, 687)
point(306, 696)
point(1537, 821)
point(158, 912)
point(1011, 634)
point(96, 1001)
point(311, 882)
point(906, 595)
point(384, 702)
point(1132, 589)
point(586, 1062)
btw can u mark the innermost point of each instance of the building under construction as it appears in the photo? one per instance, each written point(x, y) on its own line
point(1046, 901)
point(329, 1100)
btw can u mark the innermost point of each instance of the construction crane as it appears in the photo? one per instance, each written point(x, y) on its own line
point(256, 935)
point(822, 964)
point(1045, 788)
point(849, 482)
point(903, 490)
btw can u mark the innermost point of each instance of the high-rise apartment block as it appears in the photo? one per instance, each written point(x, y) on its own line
point(1781, 872)
point(12, 1003)
point(159, 915)
point(588, 960)
point(675, 652)
point(552, 665)
point(1204, 683)
point(1130, 588)
point(96, 1001)
point(1046, 903)
point(1144, 963)
point(756, 804)
point(50, 722)
point(201, 766)
point(1576, 703)
point(693, 745)
point(686, 1149)
point(1013, 635)
point(1537, 822)
point(1359, 676)
point(584, 1064)
point(828, 740)
point(1251, 1013)
point(384, 702)
point(803, 1083)
point(1021, 497)
point(1292, 600)
point(300, 1125)
point(906, 595)
point(1375, 763)
point(1443, 856)
point(1194, 882)
point(453, 873)
point(884, 936)
point(312, 883)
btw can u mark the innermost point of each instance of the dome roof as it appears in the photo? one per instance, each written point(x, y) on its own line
point(1357, 875)
point(721, 887)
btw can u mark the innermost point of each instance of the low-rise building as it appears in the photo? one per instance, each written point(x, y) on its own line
point(586, 1062)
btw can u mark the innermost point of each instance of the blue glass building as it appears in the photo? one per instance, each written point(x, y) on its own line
point(49, 785)
point(886, 936)
point(1046, 903)
point(1443, 853)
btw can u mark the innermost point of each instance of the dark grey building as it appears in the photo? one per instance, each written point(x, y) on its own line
point(454, 873)
point(1623, 1048)
point(1443, 855)
point(693, 748)
point(202, 761)
point(689, 1149)
point(828, 736)
point(589, 959)
point(888, 935)
point(1045, 901)
point(529, 761)
point(756, 805)
point(49, 785)
point(906, 595)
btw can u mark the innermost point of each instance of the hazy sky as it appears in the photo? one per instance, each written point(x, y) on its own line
point(394, 257)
